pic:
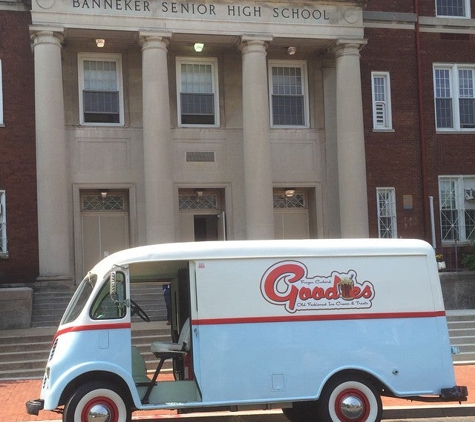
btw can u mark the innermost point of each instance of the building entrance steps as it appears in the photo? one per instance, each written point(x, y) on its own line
point(23, 353)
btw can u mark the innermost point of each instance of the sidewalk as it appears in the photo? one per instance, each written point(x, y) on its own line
point(15, 393)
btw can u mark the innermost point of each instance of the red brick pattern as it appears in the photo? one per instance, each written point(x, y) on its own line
point(17, 149)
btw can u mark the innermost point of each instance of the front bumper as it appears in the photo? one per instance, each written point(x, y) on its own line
point(33, 407)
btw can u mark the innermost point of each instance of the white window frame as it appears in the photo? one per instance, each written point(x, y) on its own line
point(209, 61)
point(1, 95)
point(467, 11)
point(382, 112)
point(117, 58)
point(387, 218)
point(3, 225)
point(457, 208)
point(303, 67)
point(453, 94)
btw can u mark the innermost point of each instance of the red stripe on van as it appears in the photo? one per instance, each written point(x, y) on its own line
point(92, 327)
point(299, 318)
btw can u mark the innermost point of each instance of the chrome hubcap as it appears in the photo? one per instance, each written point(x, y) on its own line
point(352, 407)
point(99, 413)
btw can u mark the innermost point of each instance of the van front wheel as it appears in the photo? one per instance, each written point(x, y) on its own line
point(96, 401)
point(350, 400)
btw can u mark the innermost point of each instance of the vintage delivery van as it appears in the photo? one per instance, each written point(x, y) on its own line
point(319, 328)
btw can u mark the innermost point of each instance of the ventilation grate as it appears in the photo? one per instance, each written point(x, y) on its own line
point(199, 157)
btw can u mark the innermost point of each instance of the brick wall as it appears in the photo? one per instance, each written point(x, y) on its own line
point(393, 158)
point(17, 149)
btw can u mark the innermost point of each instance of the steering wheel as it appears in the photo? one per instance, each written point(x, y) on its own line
point(136, 309)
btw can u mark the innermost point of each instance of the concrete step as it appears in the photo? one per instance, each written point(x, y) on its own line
point(461, 325)
point(49, 304)
point(24, 353)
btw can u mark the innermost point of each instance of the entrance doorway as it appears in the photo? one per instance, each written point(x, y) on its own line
point(206, 227)
point(104, 224)
point(202, 216)
point(291, 216)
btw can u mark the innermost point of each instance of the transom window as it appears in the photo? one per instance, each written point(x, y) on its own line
point(453, 8)
point(1, 95)
point(457, 208)
point(197, 86)
point(95, 203)
point(3, 224)
point(195, 202)
point(454, 97)
point(281, 201)
point(381, 91)
point(387, 221)
point(100, 89)
point(288, 94)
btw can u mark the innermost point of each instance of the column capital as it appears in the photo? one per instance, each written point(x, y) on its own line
point(154, 39)
point(345, 46)
point(254, 42)
point(46, 35)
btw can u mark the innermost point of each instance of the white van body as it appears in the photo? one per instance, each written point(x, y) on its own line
point(320, 328)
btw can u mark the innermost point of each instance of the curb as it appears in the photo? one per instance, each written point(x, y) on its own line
point(408, 412)
point(396, 412)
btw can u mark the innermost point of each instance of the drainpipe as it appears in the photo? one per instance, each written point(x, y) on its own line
point(422, 139)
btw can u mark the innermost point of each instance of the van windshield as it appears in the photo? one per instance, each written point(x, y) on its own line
point(79, 298)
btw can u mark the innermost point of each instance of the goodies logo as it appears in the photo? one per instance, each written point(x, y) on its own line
point(287, 284)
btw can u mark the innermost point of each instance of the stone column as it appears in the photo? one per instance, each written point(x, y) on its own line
point(157, 139)
point(256, 139)
point(54, 229)
point(350, 141)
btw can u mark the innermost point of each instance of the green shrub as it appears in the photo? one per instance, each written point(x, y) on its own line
point(468, 260)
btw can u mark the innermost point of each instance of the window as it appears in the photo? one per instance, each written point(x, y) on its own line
point(1, 95)
point(454, 97)
point(3, 224)
point(197, 86)
point(387, 224)
point(108, 306)
point(381, 90)
point(288, 94)
point(100, 90)
point(457, 208)
point(453, 8)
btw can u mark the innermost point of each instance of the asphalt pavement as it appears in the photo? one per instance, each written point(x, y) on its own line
point(15, 392)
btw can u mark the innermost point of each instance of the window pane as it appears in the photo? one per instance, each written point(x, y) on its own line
point(288, 110)
point(101, 92)
point(448, 210)
point(196, 78)
point(451, 8)
point(442, 83)
point(100, 75)
point(379, 89)
point(444, 113)
point(387, 223)
point(449, 224)
point(197, 109)
point(197, 96)
point(466, 99)
point(470, 224)
point(287, 96)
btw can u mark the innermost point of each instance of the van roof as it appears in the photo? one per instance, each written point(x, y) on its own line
point(192, 251)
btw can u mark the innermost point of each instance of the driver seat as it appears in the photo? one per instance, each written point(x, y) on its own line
point(164, 350)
